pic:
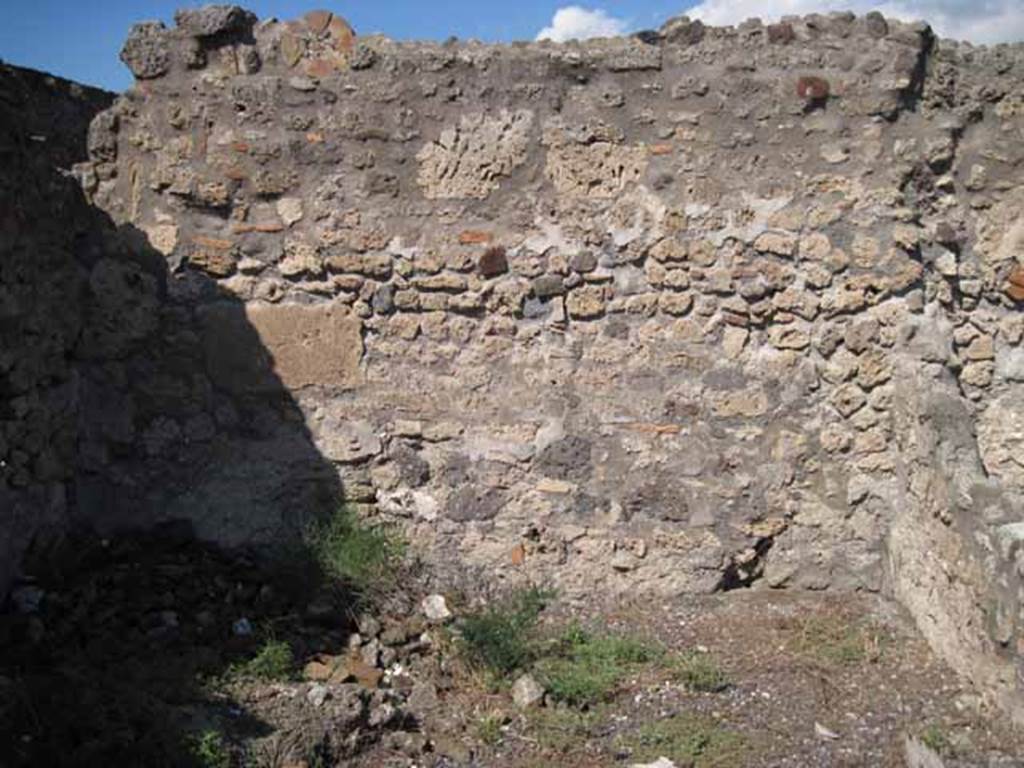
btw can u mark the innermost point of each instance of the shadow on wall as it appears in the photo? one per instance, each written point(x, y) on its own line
point(131, 399)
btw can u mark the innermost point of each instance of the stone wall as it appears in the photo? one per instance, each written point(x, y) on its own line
point(43, 274)
point(692, 310)
point(118, 409)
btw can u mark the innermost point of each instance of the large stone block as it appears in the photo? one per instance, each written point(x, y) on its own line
point(263, 348)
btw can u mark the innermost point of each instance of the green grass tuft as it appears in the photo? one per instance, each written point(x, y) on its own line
point(936, 739)
point(501, 636)
point(273, 663)
point(561, 729)
point(583, 669)
point(689, 739)
point(209, 751)
point(359, 554)
point(836, 640)
point(488, 728)
point(699, 672)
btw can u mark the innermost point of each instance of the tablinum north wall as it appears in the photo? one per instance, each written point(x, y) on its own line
point(687, 311)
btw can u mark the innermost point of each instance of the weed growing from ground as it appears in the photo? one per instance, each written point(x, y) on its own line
point(488, 728)
point(501, 637)
point(582, 668)
point(688, 739)
point(274, 662)
point(699, 672)
point(576, 667)
point(935, 738)
point(835, 640)
point(560, 729)
point(355, 552)
point(209, 751)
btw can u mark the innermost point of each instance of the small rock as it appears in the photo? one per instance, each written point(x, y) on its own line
point(369, 626)
point(812, 88)
point(422, 699)
point(384, 299)
point(146, 52)
point(919, 755)
point(435, 608)
point(411, 744)
point(534, 308)
point(27, 599)
point(363, 57)
point(527, 692)
point(242, 627)
point(583, 262)
point(876, 24)
point(780, 34)
point(320, 669)
point(624, 560)
point(355, 668)
point(824, 733)
point(317, 694)
point(397, 634)
point(213, 20)
point(290, 210)
point(661, 762)
point(680, 30)
point(300, 83)
point(546, 286)
point(370, 653)
point(383, 715)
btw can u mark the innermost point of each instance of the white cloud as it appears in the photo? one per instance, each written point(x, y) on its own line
point(576, 23)
point(979, 21)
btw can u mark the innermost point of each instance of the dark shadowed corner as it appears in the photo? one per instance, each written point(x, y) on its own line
point(156, 475)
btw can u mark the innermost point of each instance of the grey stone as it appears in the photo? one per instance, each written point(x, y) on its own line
point(423, 699)
point(682, 31)
point(534, 308)
point(583, 262)
point(435, 608)
point(363, 57)
point(370, 652)
point(413, 469)
point(527, 692)
point(317, 694)
point(384, 299)
point(474, 503)
point(546, 286)
point(242, 627)
point(566, 459)
point(102, 141)
point(210, 20)
point(383, 715)
point(146, 51)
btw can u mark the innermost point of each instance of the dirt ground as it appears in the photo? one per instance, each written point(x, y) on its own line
point(813, 680)
point(134, 655)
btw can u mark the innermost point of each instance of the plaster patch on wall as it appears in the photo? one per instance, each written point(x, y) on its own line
point(468, 159)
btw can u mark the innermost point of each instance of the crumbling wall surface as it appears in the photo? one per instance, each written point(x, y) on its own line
point(690, 310)
point(116, 411)
point(43, 126)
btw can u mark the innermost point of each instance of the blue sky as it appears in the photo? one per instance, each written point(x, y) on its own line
point(80, 40)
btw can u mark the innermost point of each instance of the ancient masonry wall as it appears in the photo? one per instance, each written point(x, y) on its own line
point(687, 311)
point(44, 271)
